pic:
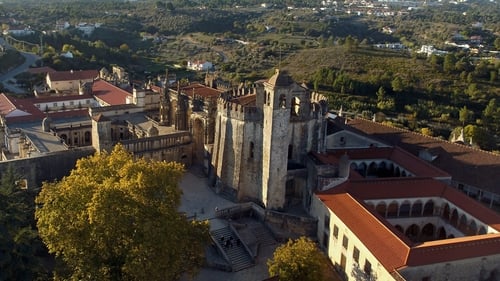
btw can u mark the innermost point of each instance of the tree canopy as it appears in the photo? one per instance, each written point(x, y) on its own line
point(19, 243)
point(115, 218)
point(297, 260)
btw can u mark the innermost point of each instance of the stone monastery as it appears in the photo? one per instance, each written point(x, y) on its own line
point(382, 202)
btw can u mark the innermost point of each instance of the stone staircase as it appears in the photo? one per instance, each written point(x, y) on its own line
point(238, 256)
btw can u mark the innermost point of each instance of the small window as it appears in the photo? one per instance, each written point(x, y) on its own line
point(71, 103)
point(54, 104)
point(327, 222)
point(345, 242)
point(355, 255)
point(335, 232)
point(252, 148)
point(87, 101)
point(368, 268)
point(325, 240)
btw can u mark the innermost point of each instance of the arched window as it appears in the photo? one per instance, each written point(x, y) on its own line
point(429, 208)
point(404, 210)
point(482, 230)
point(472, 230)
point(416, 209)
point(283, 101)
point(428, 232)
point(86, 137)
point(392, 210)
point(454, 218)
point(295, 108)
point(372, 170)
point(381, 209)
point(462, 225)
point(412, 232)
point(441, 233)
point(446, 212)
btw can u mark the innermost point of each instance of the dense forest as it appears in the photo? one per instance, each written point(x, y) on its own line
point(334, 49)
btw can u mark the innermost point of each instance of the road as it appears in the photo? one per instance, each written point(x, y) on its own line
point(29, 59)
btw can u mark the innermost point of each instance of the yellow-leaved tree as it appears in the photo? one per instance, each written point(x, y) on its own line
point(298, 260)
point(116, 218)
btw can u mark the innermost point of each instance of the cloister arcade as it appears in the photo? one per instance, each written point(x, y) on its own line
point(382, 168)
point(427, 219)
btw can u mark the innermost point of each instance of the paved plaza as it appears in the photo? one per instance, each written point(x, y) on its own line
point(200, 201)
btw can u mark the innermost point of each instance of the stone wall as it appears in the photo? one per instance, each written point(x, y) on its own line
point(49, 167)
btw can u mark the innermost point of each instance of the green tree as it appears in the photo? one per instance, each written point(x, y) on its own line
point(449, 63)
point(124, 48)
point(115, 218)
point(397, 84)
point(297, 260)
point(19, 241)
point(464, 115)
point(491, 116)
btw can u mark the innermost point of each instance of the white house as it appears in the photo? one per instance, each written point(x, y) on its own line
point(199, 65)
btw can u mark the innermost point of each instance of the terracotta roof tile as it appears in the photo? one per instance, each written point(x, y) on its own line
point(246, 100)
point(465, 164)
point(109, 93)
point(73, 75)
point(410, 162)
point(200, 90)
point(390, 247)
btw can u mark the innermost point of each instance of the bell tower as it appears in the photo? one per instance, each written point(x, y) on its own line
point(276, 111)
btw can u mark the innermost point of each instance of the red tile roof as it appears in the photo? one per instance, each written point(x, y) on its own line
point(200, 90)
point(465, 164)
point(389, 246)
point(8, 104)
point(246, 100)
point(410, 162)
point(73, 75)
point(383, 240)
point(109, 93)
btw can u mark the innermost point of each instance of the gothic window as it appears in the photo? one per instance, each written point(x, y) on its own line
point(295, 108)
point(282, 101)
point(268, 98)
point(290, 151)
